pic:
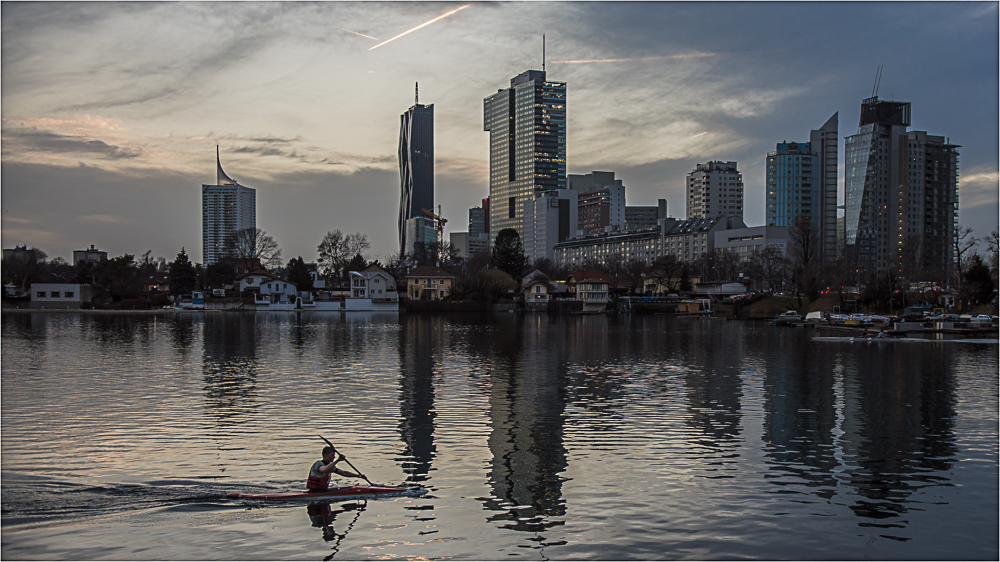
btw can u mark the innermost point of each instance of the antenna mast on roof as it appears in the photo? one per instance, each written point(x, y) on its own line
point(878, 78)
point(543, 52)
point(416, 93)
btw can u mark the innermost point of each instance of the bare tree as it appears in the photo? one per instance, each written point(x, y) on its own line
point(633, 271)
point(770, 265)
point(963, 242)
point(614, 266)
point(666, 270)
point(804, 255)
point(336, 250)
point(251, 245)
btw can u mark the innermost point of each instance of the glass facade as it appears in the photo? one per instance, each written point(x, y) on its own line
point(527, 126)
point(793, 185)
point(416, 165)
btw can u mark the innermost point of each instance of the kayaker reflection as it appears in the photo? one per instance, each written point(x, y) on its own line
point(321, 516)
point(319, 474)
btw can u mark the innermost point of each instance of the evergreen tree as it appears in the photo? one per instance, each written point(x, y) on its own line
point(508, 252)
point(298, 273)
point(183, 277)
point(219, 274)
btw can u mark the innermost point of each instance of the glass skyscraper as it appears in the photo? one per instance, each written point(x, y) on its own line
point(225, 208)
point(901, 195)
point(416, 165)
point(527, 126)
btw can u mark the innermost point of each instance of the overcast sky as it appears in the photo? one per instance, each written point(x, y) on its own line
point(111, 111)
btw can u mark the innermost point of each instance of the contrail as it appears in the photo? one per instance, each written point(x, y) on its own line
point(356, 33)
point(664, 57)
point(441, 17)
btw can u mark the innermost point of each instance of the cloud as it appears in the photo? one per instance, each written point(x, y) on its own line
point(980, 186)
point(105, 218)
point(34, 140)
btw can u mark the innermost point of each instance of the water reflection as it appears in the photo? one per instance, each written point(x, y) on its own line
point(420, 341)
point(229, 367)
point(527, 404)
point(322, 515)
point(182, 331)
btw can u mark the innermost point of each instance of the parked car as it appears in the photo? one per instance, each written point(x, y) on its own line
point(981, 319)
point(839, 318)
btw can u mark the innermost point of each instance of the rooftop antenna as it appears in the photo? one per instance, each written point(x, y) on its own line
point(416, 93)
point(543, 52)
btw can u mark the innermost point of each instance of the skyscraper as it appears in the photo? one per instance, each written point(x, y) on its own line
point(225, 208)
point(416, 165)
point(802, 182)
point(714, 189)
point(901, 195)
point(527, 126)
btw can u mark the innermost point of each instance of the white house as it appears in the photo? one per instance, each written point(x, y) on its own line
point(270, 289)
point(372, 289)
point(59, 295)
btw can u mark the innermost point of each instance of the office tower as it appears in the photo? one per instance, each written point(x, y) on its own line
point(645, 217)
point(421, 234)
point(477, 220)
point(901, 195)
point(549, 218)
point(226, 207)
point(714, 189)
point(602, 201)
point(416, 165)
point(802, 182)
point(527, 126)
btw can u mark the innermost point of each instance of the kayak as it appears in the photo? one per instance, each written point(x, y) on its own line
point(896, 339)
point(340, 493)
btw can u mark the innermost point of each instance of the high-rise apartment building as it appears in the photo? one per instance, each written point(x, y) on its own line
point(527, 126)
point(226, 207)
point(714, 189)
point(644, 217)
point(416, 165)
point(901, 195)
point(802, 182)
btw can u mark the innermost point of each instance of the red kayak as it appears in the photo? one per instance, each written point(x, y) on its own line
point(347, 492)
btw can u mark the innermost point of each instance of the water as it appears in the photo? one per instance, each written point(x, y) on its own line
point(536, 437)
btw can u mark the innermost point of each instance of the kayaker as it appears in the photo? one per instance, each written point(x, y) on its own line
point(319, 474)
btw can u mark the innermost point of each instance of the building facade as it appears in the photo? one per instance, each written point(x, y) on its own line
point(549, 218)
point(715, 188)
point(687, 240)
point(901, 195)
point(645, 217)
point(93, 255)
point(802, 182)
point(419, 230)
point(744, 242)
point(416, 165)
point(527, 126)
point(226, 207)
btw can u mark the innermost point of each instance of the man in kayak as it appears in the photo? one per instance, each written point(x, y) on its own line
point(319, 474)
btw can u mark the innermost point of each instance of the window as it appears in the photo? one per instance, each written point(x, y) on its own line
point(40, 294)
point(68, 294)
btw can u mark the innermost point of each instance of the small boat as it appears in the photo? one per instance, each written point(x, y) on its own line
point(788, 318)
point(348, 492)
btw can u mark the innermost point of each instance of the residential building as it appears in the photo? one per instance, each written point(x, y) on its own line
point(687, 240)
point(592, 287)
point(527, 126)
point(226, 207)
point(802, 182)
point(715, 188)
point(428, 282)
point(93, 255)
point(549, 218)
point(60, 295)
point(901, 195)
point(536, 290)
point(372, 289)
point(416, 165)
point(645, 217)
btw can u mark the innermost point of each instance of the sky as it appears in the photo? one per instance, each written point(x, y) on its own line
point(111, 112)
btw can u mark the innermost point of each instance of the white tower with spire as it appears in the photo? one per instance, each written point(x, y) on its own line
point(225, 208)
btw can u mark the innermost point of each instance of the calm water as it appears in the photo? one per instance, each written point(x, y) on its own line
point(538, 437)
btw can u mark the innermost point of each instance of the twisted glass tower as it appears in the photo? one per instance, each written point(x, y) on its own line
point(416, 165)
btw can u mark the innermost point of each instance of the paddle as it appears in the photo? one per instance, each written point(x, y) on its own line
point(348, 462)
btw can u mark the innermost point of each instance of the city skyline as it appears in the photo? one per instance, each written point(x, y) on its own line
point(111, 111)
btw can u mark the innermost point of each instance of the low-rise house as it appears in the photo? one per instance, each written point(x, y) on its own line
point(591, 287)
point(372, 289)
point(269, 288)
point(428, 282)
point(60, 295)
point(536, 291)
